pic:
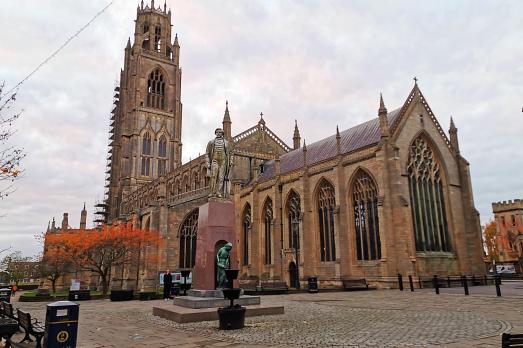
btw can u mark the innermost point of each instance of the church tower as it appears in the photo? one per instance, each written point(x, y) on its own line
point(146, 122)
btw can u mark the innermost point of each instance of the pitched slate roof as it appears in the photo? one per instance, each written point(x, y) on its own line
point(352, 139)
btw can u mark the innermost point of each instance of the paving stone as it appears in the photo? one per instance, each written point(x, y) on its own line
point(335, 319)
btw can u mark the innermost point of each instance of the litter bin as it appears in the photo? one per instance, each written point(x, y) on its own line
point(5, 295)
point(313, 284)
point(61, 324)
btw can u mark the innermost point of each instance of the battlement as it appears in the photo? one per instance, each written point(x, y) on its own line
point(152, 9)
point(516, 204)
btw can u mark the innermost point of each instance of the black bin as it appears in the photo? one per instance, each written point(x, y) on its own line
point(313, 284)
point(61, 324)
point(5, 295)
point(79, 295)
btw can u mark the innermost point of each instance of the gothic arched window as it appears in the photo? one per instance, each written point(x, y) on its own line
point(293, 219)
point(267, 227)
point(188, 233)
point(156, 90)
point(162, 154)
point(246, 227)
point(366, 224)
point(427, 199)
point(146, 153)
point(157, 38)
point(326, 203)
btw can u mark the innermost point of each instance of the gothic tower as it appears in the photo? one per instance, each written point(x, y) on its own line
point(146, 122)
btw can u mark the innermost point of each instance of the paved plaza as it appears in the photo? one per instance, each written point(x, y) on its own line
point(381, 318)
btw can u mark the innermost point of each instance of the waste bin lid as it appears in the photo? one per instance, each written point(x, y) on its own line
point(5, 289)
point(62, 304)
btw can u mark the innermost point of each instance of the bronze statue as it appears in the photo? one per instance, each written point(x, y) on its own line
point(218, 161)
point(223, 263)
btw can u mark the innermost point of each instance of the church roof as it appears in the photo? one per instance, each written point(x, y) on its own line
point(352, 139)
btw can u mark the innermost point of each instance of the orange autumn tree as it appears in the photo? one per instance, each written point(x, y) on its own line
point(99, 250)
point(54, 264)
point(490, 241)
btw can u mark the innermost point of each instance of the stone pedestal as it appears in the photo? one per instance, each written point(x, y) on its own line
point(215, 228)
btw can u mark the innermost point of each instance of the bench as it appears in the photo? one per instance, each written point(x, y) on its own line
point(268, 288)
point(8, 311)
point(31, 329)
point(511, 340)
point(355, 284)
point(248, 286)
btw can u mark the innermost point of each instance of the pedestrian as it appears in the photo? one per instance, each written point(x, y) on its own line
point(167, 284)
point(13, 289)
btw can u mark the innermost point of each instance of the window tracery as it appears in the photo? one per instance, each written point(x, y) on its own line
point(427, 198)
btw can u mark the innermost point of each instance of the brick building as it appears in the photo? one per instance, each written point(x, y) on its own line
point(390, 195)
point(509, 231)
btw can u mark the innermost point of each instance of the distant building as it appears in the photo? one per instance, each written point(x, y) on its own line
point(509, 236)
point(26, 271)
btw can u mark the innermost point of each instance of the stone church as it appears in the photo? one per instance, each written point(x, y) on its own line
point(390, 195)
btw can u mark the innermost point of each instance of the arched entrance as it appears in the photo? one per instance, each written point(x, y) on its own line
point(293, 275)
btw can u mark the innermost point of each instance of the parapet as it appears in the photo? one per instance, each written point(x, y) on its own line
point(516, 204)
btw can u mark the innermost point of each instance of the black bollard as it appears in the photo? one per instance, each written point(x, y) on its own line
point(485, 279)
point(411, 283)
point(448, 281)
point(400, 281)
point(497, 281)
point(465, 284)
point(435, 283)
point(473, 280)
point(419, 282)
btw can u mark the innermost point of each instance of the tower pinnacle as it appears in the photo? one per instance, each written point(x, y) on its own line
point(226, 123)
point(296, 137)
point(384, 122)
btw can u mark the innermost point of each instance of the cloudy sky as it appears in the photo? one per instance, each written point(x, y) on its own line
point(323, 63)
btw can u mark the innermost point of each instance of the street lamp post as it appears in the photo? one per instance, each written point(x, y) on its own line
point(296, 240)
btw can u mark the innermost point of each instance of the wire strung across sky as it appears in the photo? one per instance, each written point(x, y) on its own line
point(60, 48)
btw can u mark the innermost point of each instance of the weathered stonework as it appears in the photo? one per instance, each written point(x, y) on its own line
point(267, 172)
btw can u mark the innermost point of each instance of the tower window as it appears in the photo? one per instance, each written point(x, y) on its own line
point(156, 90)
point(146, 44)
point(157, 38)
point(162, 153)
point(146, 152)
point(145, 27)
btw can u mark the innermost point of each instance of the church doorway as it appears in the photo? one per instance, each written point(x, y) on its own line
point(293, 275)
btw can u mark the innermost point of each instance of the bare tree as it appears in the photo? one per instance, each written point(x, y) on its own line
point(10, 156)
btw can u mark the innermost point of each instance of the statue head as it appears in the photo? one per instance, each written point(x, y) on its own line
point(228, 246)
point(218, 132)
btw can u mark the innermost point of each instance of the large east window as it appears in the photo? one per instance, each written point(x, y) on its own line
point(427, 198)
